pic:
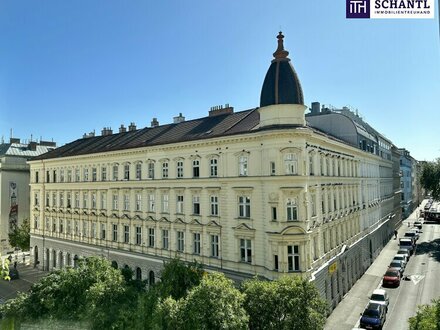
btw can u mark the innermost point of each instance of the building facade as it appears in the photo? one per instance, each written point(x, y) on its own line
point(259, 191)
point(14, 184)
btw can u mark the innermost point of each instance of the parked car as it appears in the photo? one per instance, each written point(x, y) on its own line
point(412, 234)
point(418, 224)
point(404, 252)
point(373, 317)
point(402, 258)
point(407, 243)
point(397, 264)
point(391, 278)
point(380, 296)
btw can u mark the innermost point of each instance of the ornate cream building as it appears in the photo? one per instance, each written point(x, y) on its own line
point(258, 191)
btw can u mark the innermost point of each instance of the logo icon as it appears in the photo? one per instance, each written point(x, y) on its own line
point(357, 9)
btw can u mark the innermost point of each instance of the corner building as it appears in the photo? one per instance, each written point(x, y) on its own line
point(251, 192)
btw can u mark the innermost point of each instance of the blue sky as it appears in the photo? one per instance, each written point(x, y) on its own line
point(71, 67)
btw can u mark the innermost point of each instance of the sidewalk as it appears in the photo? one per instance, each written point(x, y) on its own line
point(346, 315)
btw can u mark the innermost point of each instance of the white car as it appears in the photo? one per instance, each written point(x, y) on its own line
point(401, 257)
point(380, 296)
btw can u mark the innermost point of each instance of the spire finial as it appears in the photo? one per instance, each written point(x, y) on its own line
point(280, 52)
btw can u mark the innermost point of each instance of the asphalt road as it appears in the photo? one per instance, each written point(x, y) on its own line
point(422, 285)
point(28, 276)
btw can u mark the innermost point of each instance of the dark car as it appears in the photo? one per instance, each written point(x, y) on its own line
point(397, 264)
point(373, 317)
point(418, 224)
point(391, 278)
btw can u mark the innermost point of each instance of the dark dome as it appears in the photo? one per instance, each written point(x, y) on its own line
point(281, 85)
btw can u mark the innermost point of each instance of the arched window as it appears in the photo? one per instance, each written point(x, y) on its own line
point(151, 279)
point(138, 274)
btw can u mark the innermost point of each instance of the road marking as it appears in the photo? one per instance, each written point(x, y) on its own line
point(416, 278)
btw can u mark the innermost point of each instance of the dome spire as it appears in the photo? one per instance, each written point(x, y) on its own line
point(280, 52)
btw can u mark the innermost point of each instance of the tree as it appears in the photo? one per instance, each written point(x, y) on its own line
point(430, 178)
point(94, 293)
point(20, 237)
point(214, 304)
point(427, 317)
point(177, 278)
point(4, 269)
point(287, 303)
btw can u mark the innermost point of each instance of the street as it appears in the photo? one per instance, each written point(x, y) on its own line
point(420, 286)
point(28, 276)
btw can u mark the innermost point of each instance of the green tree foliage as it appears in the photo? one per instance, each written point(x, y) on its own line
point(177, 278)
point(427, 317)
point(430, 178)
point(287, 303)
point(20, 237)
point(214, 304)
point(94, 292)
point(4, 269)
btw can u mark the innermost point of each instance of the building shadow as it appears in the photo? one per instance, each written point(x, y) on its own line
point(431, 248)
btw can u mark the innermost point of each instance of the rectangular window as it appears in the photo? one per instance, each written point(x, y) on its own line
point(61, 199)
point(127, 172)
point(246, 250)
point(138, 235)
point(165, 203)
point(311, 165)
point(46, 225)
point(115, 202)
point(138, 171)
point(179, 205)
point(293, 258)
point(103, 201)
point(274, 213)
point(196, 243)
point(180, 169)
point(54, 199)
point(69, 175)
point(61, 175)
point(196, 205)
point(275, 262)
point(94, 201)
point(213, 167)
point(292, 210)
point(138, 202)
point(151, 170)
point(77, 178)
point(126, 202)
point(214, 246)
point(54, 176)
point(36, 223)
point(36, 177)
point(47, 199)
point(77, 200)
point(151, 203)
point(48, 176)
point(151, 237)
point(54, 226)
point(164, 170)
point(85, 198)
point(291, 164)
point(69, 227)
point(94, 175)
point(243, 165)
point(84, 232)
point(69, 200)
point(115, 232)
point(102, 230)
point(272, 168)
point(126, 234)
point(244, 207)
point(86, 174)
point(37, 199)
point(313, 205)
point(180, 241)
point(196, 168)
point(93, 230)
point(115, 172)
point(61, 225)
point(103, 173)
point(165, 239)
point(76, 227)
point(214, 205)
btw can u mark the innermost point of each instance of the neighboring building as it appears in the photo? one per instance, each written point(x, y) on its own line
point(14, 183)
point(406, 182)
point(252, 192)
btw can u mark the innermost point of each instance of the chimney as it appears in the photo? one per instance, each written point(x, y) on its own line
point(122, 129)
point(132, 127)
point(154, 122)
point(32, 146)
point(315, 108)
point(14, 140)
point(179, 119)
point(106, 131)
point(219, 110)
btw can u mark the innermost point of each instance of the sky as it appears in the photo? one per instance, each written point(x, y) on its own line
point(71, 67)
